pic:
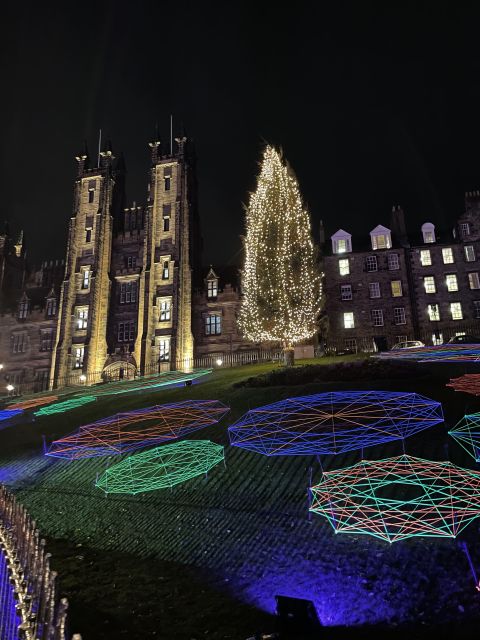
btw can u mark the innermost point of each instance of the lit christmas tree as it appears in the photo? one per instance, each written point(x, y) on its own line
point(281, 281)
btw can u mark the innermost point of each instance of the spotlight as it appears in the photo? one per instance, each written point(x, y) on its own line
point(83, 378)
point(297, 615)
point(219, 362)
point(10, 387)
point(1, 367)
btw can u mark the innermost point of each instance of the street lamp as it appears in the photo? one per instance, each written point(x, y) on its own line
point(10, 388)
point(219, 362)
point(1, 367)
point(83, 377)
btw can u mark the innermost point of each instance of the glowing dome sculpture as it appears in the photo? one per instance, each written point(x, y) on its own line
point(132, 430)
point(66, 405)
point(161, 467)
point(399, 498)
point(33, 402)
point(333, 423)
point(467, 434)
point(468, 383)
point(7, 414)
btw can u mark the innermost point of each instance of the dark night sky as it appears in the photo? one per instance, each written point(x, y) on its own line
point(374, 104)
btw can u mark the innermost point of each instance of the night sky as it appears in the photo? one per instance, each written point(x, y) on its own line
point(374, 104)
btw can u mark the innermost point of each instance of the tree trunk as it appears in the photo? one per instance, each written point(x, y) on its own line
point(288, 357)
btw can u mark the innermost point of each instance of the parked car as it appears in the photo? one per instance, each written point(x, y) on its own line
point(409, 344)
point(464, 340)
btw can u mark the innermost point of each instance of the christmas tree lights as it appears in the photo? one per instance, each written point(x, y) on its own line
point(399, 498)
point(467, 434)
point(280, 280)
point(66, 405)
point(333, 423)
point(131, 430)
point(161, 467)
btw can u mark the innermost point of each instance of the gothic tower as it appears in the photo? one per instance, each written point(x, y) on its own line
point(81, 345)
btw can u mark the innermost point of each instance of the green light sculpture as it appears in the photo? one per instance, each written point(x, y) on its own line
point(161, 467)
point(67, 405)
point(467, 434)
point(399, 498)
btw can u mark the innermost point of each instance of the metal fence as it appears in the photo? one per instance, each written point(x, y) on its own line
point(30, 608)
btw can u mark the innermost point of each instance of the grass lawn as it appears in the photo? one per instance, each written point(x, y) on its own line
point(205, 559)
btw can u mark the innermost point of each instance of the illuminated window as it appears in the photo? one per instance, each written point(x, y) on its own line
point(166, 270)
point(393, 261)
point(433, 312)
point(469, 253)
point(341, 245)
point(476, 308)
point(348, 320)
point(371, 263)
point(212, 288)
point(86, 278)
point(23, 309)
point(451, 280)
point(341, 242)
point(380, 238)
point(399, 315)
point(428, 232)
point(396, 286)
point(465, 229)
point(456, 311)
point(346, 291)
point(437, 338)
point(429, 284)
point(164, 349)
point(213, 325)
point(78, 357)
point(51, 307)
point(447, 254)
point(344, 267)
point(425, 258)
point(377, 317)
point(374, 289)
point(81, 320)
point(164, 310)
point(474, 280)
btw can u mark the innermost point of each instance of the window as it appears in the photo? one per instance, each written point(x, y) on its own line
point(344, 266)
point(428, 232)
point(78, 357)
point(167, 177)
point(167, 183)
point(437, 338)
point(91, 195)
point(371, 263)
point(348, 320)
point(447, 255)
point(451, 281)
point(393, 261)
point(381, 240)
point(397, 290)
point(377, 317)
point(51, 307)
point(346, 291)
point(86, 279)
point(429, 284)
point(128, 292)
point(425, 257)
point(131, 262)
point(126, 331)
point(166, 224)
point(213, 325)
point(433, 312)
point(19, 342)
point(341, 242)
point(469, 253)
point(374, 289)
point(165, 270)
point(88, 235)
point(81, 320)
point(351, 344)
point(399, 315)
point(465, 229)
point(476, 308)
point(473, 280)
point(456, 311)
point(164, 350)
point(46, 340)
point(164, 310)
point(212, 288)
point(23, 309)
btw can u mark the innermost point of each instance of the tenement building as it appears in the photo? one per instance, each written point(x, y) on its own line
point(395, 289)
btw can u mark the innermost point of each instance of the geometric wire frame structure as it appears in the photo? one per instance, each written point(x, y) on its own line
point(67, 405)
point(6, 414)
point(468, 383)
point(440, 353)
point(467, 434)
point(131, 430)
point(161, 467)
point(399, 498)
point(334, 422)
point(33, 402)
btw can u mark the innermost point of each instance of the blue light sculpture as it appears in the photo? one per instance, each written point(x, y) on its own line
point(467, 433)
point(333, 423)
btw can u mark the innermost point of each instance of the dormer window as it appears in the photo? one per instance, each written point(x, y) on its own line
point(212, 288)
point(51, 307)
point(23, 309)
point(381, 238)
point(428, 232)
point(341, 242)
point(465, 229)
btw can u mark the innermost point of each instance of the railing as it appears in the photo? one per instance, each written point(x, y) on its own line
point(29, 605)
